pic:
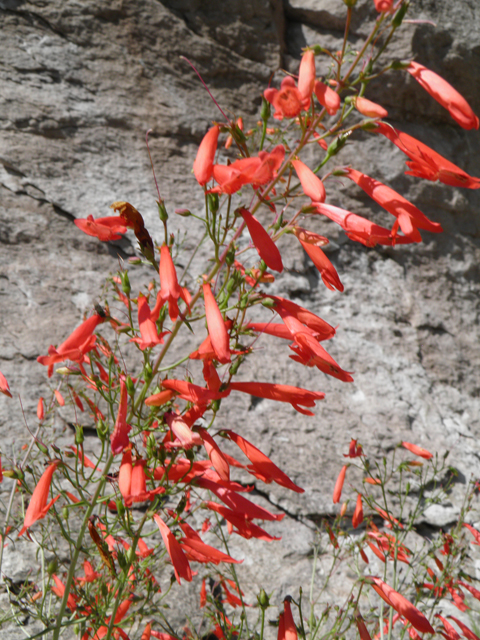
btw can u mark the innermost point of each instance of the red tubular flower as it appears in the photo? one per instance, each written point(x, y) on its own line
point(384, 6)
point(216, 326)
point(203, 593)
point(369, 109)
point(4, 388)
point(296, 396)
point(468, 633)
point(311, 354)
point(402, 606)
point(267, 249)
point(407, 214)
point(306, 75)
point(311, 184)
point(148, 330)
point(119, 438)
point(262, 463)
point(337, 491)
point(474, 532)
point(327, 97)
point(188, 391)
point(418, 451)
point(272, 329)
point(244, 527)
point(105, 229)
point(450, 631)
point(38, 507)
point(306, 317)
point(194, 545)
point(360, 229)
point(170, 290)
point(317, 256)
point(203, 165)
point(357, 517)
point(59, 590)
point(216, 456)
point(362, 629)
point(80, 342)
point(425, 162)
point(354, 450)
point(182, 431)
point(132, 481)
point(40, 409)
point(180, 563)
point(289, 624)
point(445, 95)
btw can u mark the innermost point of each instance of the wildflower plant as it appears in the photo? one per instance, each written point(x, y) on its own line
point(153, 498)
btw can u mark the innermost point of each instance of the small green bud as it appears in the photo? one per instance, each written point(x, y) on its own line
point(269, 303)
point(278, 223)
point(318, 50)
point(120, 507)
point(400, 15)
point(230, 257)
point(125, 283)
point(131, 556)
point(41, 447)
point(130, 386)
point(151, 446)
point(398, 65)
point(52, 567)
point(121, 559)
point(102, 429)
point(243, 304)
point(230, 286)
point(162, 212)
point(104, 590)
point(147, 372)
point(337, 144)
point(79, 434)
point(213, 202)
point(181, 505)
point(216, 405)
point(185, 213)
point(76, 629)
point(263, 600)
point(265, 110)
point(350, 3)
point(190, 455)
point(65, 513)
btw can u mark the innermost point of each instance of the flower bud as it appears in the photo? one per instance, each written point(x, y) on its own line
point(235, 366)
point(399, 16)
point(337, 144)
point(213, 202)
point(230, 257)
point(120, 507)
point(265, 110)
point(216, 405)
point(130, 386)
point(42, 447)
point(79, 434)
point(268, 302)
point(52, 567)
point(263, 600)
point(147, 372)
point(162, 212)
point(125, 283)
point(350, 3)
point(102, 429)
point(185, 213)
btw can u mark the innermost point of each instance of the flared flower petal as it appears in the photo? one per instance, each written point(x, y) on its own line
point(38, 507)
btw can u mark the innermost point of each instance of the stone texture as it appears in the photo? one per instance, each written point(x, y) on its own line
point(83, 81)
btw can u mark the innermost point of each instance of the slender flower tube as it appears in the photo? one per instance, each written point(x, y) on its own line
point(311, 184)
point(267, 249)
point(290, 628)
point(203, 165)
point(296, 396)
point(369, 108)
point(418, 451)
point(337, 491)
point(38, 507)
point(306, 74)
point(4, 388)
point(402, 606)
point(216, 326)
point(180, 563)
point(170, 290)
point(357, 517)
point(119, 438)
point(327, 97)
point(326, 269)
point(445, 94)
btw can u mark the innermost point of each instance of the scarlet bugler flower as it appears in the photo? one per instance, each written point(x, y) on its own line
point(311, 184)
point(337, 491)
point(369, 108)
point(327, 97)
point(216, 326)
point(4, 388)
point(170, 290)
point(203, 165)
point(418, 451)
point(180, 563)
point(105, 229)
point(425, 162)
point(80, 342)
point(287, 101)
point(384, 6)
point(402, 606)
point(317, 256)
point(38, 507)
point(445, 94)
point(119, 438)
point(257, 171)
point(297, 397)
point(290, 630)
point(267, 249)
point(306, 74)
point(149, 336)
point(357, 517)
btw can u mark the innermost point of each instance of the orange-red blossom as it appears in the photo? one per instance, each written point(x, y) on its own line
point(445, 94)
point(402, 605)
point(297, 397)
point(256, 170)
point(76, 345)
point(216, 326)
point(170, 290)
point(203, 165)
point(311, 242)
point(38, 507)
point(179, 560)
point(4, 388)
point(266, 247)
point(105, 229)
point(119, 438)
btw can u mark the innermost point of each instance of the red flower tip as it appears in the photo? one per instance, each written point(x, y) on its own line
point(216, 326)
point(267, 249)
point(38, 507)
point(311, 183)
point(337, 491)
point(327, 97)
point(4, 388)
point(445, 95)
point(357, 517)
point(306, 74)
point(369, 109)
point(203, 165)
point(418, 451)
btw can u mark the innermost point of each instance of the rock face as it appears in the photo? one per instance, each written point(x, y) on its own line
point(83, 81)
